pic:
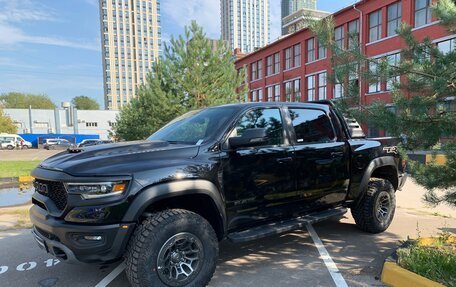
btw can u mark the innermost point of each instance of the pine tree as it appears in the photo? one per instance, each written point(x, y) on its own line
point(421, 112)
point(191, 75)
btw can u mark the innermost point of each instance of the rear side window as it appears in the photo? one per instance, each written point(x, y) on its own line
point(311, 126)
point(268, 119)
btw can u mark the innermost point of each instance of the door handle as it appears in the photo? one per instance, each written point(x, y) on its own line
point(337, 154)
point(284, 160)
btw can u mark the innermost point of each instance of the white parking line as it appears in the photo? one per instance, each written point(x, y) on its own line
point(332, 268)
point(111, 276)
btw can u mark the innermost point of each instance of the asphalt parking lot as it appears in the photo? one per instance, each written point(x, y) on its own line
point(291, 259)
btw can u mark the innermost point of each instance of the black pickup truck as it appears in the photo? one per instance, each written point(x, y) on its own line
point(237, 172)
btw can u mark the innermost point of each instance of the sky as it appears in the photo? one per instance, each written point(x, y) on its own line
point(53, 47)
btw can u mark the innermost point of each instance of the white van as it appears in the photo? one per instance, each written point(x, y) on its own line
point(11, 141)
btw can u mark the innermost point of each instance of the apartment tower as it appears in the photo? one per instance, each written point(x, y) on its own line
point(131, 42)
point(290, 7)
point(245, 24)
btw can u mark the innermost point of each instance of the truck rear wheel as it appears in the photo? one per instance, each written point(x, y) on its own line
point(376, 210)
point(172, 248)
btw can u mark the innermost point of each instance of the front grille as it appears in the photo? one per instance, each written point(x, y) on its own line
point(54, 190)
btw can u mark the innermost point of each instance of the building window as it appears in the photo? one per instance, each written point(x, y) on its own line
point(260, 69)
point(276, 63)
point(393, 61)
point(270, 93)
point(260, 95)
point(288, 91)
point(287, 58)
point(322, 86)
point(375, 84)
point(339, 37)
point(338, 90)
point(311, 50)
point(310, 88)
point(423, 13)
point(353, 34)
point(254, 96)
point(297, 90)
point(448, 46)
point(394, 18)
point(277, 93)
point(375, 26)
point(297, 55)
point(269, 65)
point(321, 50)
point(91, 124)
point(253, 71)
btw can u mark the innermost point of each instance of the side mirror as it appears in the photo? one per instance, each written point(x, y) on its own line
point(250, 138)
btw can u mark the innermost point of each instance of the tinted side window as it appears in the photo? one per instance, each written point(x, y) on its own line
point(311, 126)
point(270, 119)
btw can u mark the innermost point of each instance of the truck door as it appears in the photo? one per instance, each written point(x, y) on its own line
point(322, 160)
point(258, 180)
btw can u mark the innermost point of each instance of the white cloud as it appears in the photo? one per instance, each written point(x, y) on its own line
point(205, 12)
point(24, 10)
point(17, 11)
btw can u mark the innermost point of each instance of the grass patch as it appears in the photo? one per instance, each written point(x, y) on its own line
point(17, 168)
point(435, 260)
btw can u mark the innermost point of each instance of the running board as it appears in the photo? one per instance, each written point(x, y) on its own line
point(285, 225)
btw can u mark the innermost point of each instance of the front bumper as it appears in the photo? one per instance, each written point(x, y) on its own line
point(66, 240)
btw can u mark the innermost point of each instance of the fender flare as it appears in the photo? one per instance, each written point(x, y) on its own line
point(374, 164)
point(158, 192)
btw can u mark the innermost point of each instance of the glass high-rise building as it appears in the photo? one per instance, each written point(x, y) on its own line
point(131, 42)
point(291, 6)
point(245, 24)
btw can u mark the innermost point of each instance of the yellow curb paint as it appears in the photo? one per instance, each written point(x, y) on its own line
point(25, 178)
point(396, 276)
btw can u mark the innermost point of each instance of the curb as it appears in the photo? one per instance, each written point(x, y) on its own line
point(396, 276)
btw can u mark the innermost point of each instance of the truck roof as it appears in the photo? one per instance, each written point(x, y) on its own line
point(317, 104)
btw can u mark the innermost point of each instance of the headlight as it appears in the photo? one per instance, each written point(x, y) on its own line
point(97, 190)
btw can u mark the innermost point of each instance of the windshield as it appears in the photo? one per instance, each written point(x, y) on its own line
point(195, 127)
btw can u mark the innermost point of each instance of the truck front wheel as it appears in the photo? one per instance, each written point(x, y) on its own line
point(376, 210)
point(172, 248)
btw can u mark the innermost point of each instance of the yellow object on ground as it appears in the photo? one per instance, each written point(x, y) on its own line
point(396, 276)
point(25, 178)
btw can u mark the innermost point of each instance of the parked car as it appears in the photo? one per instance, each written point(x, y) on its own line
point(7, 142)
point(57, 144)
point(238, 172)
point(12, 141)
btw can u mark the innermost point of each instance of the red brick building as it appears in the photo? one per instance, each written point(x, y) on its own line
point(295, 68)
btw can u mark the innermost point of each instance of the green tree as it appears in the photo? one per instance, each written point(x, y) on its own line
point(191, 75)
point(15, 100)
point(85, 103)
point(422, 112)
point(6, 123)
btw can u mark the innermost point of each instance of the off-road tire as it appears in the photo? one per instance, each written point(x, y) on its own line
point(149, 238)
point(365, 213)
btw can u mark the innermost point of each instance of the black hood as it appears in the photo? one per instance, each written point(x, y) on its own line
point(123, 158)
